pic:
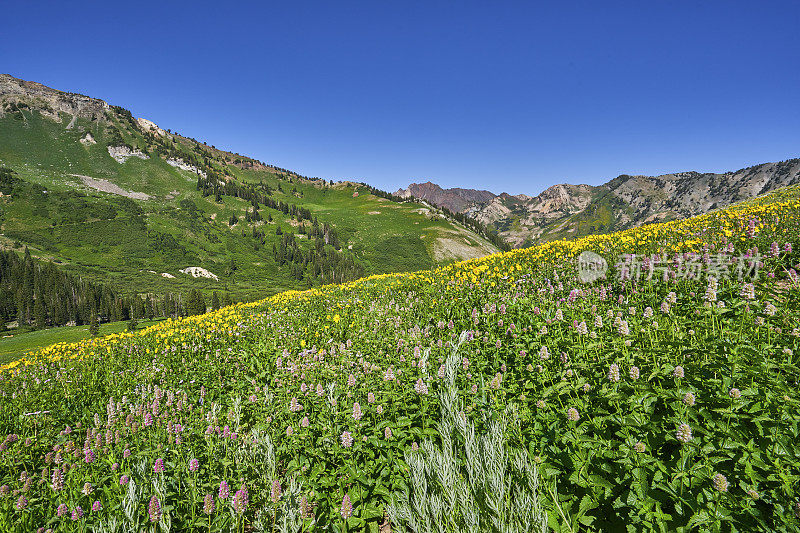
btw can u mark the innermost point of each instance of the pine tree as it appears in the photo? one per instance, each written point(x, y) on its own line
point(21, 319)
point(215, 301)
point(40, 313)
point(196, 304)
point(94, 324)
point(200, 303)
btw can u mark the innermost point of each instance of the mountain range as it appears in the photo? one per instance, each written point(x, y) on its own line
point(123, 201)
point(567, 211)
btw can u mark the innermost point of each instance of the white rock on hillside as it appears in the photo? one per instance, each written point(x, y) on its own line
point(152, 127)
point(199, 272)
point(88, 139)
point(123, 153)
point(183, 165)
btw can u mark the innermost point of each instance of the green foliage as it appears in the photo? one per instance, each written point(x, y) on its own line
point(653, 405)
point(40, 294)
point(409, 252)
point(7, 180)
point(17, 342)
point(196, 304)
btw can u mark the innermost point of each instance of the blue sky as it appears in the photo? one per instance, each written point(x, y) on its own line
point(497, 95)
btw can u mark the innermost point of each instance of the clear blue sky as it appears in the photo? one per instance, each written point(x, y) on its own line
point(497, 95)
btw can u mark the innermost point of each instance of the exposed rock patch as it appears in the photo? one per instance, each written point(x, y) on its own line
point(88, 139)
point(146, 125)
point(49, 102)
point(162, 274)
point(123, 153)
point(199, 272)
point(564, 210)
point(112, 188)
point(456, 200)
point(455, 245)
point(183, 165)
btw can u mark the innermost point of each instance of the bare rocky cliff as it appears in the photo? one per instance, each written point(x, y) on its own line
point(49, 102)
point(456, 200)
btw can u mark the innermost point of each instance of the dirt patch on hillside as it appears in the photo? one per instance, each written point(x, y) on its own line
point(107, 186)
point(456, 249)
point(457, 246)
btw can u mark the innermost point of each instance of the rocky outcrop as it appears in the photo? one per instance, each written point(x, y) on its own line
point(87, 139)
point(20, 94)
point(561, 198)
point(693, 193)
point(123, 153)
point(456, 200)
point(199, 272)
point(107, 186)
point(183, 165)
point(152, 127)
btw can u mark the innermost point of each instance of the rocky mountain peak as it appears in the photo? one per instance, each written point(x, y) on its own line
point(147, 125)
point(456, 200)
point(16, 93)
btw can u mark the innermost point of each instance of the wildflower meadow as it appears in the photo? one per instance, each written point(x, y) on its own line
point(497, 391)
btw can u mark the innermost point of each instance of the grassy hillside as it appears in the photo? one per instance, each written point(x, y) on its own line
point(666, 404)
point(156, 221)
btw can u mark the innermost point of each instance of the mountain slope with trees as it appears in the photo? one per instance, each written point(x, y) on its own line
point(118, 201)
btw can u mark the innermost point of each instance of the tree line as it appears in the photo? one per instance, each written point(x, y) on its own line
point(320, 264)
point(38, 294)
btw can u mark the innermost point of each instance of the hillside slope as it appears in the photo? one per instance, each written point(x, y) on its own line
point(121, 200)
point(667, 404)
point(565, 210)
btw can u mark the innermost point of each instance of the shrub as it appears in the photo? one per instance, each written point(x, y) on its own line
point(468, 481)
